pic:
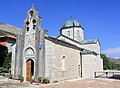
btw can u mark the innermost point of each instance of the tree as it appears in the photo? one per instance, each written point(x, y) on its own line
point(109, 63)
point(7, 61)
point(105, 61)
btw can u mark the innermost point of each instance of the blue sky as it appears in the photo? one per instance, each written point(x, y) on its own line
point(100, 18)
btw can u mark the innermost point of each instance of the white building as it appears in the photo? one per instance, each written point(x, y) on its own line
point(67, 56)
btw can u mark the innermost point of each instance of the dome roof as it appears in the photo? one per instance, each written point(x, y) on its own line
point(71, 23)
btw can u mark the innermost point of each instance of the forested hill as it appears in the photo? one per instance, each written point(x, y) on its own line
point(110, 63)
point(6, 29)
point(117, 61)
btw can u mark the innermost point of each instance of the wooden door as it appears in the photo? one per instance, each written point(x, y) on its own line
point(28, 70)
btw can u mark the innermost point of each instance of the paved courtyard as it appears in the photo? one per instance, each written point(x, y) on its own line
point(80, 83)
point(88, 83)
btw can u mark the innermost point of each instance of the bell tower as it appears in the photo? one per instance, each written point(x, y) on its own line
point(32, 37)
point(33, 21)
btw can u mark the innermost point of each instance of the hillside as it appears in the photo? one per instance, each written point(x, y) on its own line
point(6, 29)
point(117, 61)
point(110, 63)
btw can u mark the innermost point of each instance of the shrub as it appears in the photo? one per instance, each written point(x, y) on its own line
point(46, 81)
point(40, 78)
point(3, 70)
point(20, 77)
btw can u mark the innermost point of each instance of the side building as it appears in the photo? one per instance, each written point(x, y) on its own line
point(8, 35)
point(67, 56)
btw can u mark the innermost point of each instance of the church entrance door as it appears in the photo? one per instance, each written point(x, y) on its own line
point(29, 69)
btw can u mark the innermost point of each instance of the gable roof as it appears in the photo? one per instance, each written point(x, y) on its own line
point(61, 42)
point(66, 44)
point(90, 41)
point(69, 39)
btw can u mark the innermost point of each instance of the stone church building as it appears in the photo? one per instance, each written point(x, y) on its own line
point(67, 56)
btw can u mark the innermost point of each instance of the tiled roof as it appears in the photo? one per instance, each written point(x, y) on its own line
point(88, 52)
point(91, 41)
point(64, 43)
point(8, 36)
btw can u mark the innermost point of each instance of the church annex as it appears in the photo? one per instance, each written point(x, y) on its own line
point(67, 56)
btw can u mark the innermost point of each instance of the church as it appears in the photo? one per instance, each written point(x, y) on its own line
point(64, 57)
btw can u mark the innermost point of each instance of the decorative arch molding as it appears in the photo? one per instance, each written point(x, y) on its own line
point(29, 59)
point(29, 53)
point(26, 59)
point(29, 46)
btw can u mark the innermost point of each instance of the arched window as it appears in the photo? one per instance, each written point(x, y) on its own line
point(31, 13)
point(34, 23)
point(27, 25)
point(68, 33)
point(78, 32)
point(63, 63)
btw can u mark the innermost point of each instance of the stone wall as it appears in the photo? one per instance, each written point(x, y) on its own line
point(48, 58)
point(90, 64)
point(13, 60)
point(53, 62)
point(71, 63)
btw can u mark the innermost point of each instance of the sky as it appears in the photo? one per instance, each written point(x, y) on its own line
point(99, 18)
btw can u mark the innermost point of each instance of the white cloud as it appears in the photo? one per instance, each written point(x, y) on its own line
point(112, 52)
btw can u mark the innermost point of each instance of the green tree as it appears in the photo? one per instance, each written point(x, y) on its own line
point(105, 61)
point(7, 61)
point(109, 63)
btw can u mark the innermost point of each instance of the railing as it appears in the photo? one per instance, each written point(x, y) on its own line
point(106, 73)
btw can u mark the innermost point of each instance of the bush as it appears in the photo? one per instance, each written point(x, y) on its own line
point(46, 81)
point(3, 70)
point(40, 78)
point(20, 77)
point(7, 61)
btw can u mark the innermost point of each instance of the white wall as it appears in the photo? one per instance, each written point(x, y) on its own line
point(53, 58)
point(76, 37)
point(13, 60)
point(92, 47)
point(65, 32)
point(48, 58)
point(90, 64)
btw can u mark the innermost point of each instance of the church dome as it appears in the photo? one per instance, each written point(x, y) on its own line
point(71, 23)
